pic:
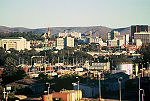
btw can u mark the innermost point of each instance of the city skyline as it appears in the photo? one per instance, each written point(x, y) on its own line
point(74, 13)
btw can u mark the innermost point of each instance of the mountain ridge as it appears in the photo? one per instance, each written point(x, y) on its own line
point(99, 31)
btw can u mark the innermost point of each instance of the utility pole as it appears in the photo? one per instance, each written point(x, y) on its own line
point(78, 95)
point(48, 90)
point(99, 87)
point(139, 88)
point(119, 81)
point(73, 61)
point(4, 93)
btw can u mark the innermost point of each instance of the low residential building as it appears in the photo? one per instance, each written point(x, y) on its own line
point(65, 95)
point(105, 65)
point(18, 43)
point(126, 67)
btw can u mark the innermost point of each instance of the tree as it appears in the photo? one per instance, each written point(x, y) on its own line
point(11, 73)
point(1, 93)
point(2, 55)
point(145, 51)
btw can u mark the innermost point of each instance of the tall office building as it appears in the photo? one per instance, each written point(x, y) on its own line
point(138, 28)
point(60, 43)
point(69, 42)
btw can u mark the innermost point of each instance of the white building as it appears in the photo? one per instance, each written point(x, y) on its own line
point(125, 67)
point(60, 43)
point(73, 34)
point(96, 40)
point(100, 66)
point(18, 43)
point(115, 39)
point(112, 43)
point(69, 42)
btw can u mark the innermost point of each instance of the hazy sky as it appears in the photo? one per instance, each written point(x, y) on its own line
point(59, 13)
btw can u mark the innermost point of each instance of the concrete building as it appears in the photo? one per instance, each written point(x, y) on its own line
point(115, 39)
point(112, 43)
point(18, 43)
point(60, 43)
point(109, 36)
point(144, 36)
point(65, 95)
point(96, 40)
point(69, 42)
point(125, 67)
point(137, 29)
point(126, 38)
point(115, 34)
point(73, 34)
point(100, 66)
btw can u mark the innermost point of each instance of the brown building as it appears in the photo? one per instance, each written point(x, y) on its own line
point(67, 95)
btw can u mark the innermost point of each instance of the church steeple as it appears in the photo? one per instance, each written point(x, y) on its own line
point(49, 34)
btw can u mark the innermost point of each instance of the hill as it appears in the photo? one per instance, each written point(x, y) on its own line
point(100, 31)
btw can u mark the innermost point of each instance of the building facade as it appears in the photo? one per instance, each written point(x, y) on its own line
point(100, 66)
point(69, 42)
point(73, 34)
point(17, 43)
point(60, 43)
point(138, 28)
point(144, 36)
point(96, 40)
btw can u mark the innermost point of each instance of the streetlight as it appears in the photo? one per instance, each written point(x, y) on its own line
point(6, 91)
point(119, 81)
point(78, 87)
point(142, 94)
point(48, 88)
point(139, 86)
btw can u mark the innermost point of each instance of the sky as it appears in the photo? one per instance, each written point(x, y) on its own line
point(74, 13)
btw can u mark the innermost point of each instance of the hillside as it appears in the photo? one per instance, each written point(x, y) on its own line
point(100, 31)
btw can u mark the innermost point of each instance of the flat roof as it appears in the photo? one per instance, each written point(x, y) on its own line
point(142, 33)
point(12, 38)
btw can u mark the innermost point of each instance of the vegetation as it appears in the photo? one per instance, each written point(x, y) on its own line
point(28, 35)
point(11, 73)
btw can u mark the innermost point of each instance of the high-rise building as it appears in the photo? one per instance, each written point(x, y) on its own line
point(138, 28)
point(69, 41)
point(60, 43)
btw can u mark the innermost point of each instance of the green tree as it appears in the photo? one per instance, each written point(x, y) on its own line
point(2, 56)
point(11, 73)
